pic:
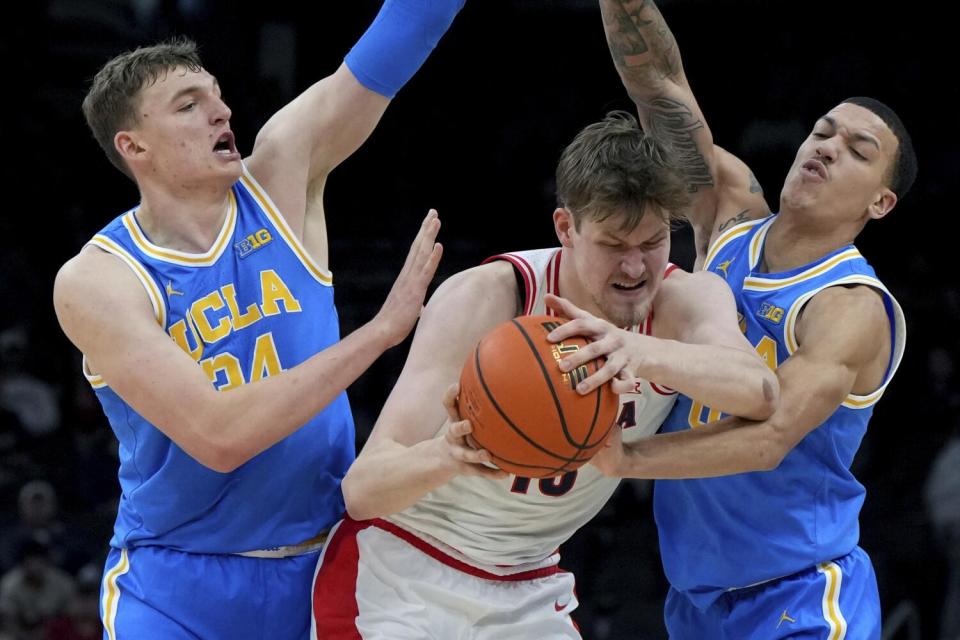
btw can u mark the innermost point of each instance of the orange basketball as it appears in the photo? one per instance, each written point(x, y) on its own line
point(524, 410)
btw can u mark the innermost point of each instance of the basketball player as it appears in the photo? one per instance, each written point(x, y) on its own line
point(439, 545)
point(218, 280)
point(770, 549)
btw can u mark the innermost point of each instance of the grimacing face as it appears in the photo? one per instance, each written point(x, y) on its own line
point(840, 171)
point(183, 132)
point(618, 273)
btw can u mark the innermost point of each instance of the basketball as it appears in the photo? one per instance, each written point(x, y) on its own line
point(524, 410)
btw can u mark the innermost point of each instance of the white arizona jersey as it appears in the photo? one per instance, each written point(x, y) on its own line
point(507, 525)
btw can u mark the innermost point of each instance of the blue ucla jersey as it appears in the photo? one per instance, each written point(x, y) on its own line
point(733, 531)
point(253, 305)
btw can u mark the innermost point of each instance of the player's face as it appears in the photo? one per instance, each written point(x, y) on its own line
point(839, 174)
point(183, 135)
point(618, 273)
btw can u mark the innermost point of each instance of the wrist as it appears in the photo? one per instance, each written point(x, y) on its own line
point(380, 333)
point(443, 467)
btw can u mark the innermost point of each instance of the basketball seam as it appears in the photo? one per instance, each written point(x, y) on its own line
point(566, 460)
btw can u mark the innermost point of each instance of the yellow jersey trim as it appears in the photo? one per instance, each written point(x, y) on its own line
point(854, 401)
point(182, 257)
point(95, 380)
point(831, 600)
point(153, 291)
point(759, 283)
point(321, 275)
point(728, 235)
point(110, 600)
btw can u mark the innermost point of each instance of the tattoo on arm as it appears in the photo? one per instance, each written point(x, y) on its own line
point(754, 184)
point(674, 123)
point(743, 216)
point(642, 46)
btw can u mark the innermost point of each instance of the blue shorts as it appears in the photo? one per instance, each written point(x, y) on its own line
point(156, 593)
point(835, 600)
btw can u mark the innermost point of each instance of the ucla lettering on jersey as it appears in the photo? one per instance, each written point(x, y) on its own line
point(252, 306)
point(730, 532)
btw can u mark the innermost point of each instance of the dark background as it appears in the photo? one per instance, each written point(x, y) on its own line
point(476, 134)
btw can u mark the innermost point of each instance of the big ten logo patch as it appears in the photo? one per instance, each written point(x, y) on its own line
point(770, 312)
point(253, 242)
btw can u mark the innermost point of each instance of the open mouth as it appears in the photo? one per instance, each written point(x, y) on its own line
point(621, 286)
point(225, 145)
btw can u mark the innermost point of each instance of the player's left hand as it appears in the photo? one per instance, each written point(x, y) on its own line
point(620, 348)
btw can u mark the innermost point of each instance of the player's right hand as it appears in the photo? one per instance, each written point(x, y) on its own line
point(404, 303)
point(471, 461)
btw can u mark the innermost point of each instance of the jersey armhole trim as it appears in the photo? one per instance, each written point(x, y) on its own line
point(259, 194)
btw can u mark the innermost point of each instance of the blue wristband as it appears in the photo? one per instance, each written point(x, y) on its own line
point(399, 41)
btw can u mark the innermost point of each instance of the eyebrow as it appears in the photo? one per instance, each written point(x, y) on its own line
point(857, 136)
point(193, 88)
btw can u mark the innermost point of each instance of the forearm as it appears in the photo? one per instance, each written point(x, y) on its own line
point(240, 423)
point(721, 448)
point(723, 378)
point(642, 46)
point(392, 477)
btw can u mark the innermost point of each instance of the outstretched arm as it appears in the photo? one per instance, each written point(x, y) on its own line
point(105, 312)
point(844, 349)
point(648, 61)
point(308, 138)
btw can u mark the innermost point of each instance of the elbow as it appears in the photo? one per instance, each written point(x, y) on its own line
point(220, 459)
point(358, 508)
point(772, 450)
point(219, 454)
point(767, 399)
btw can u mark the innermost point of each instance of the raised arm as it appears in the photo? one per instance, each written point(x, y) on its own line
point(105, 312)
point(844, 348)
point(647, 59)
point(304, 141)
point(414, 447)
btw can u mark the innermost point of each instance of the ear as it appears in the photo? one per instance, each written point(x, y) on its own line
point(563, 223)
point(127, 144)
point(883, 204)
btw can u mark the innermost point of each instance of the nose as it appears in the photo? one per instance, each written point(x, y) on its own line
point(827, 150)
point(632, 264)
point(220, 112)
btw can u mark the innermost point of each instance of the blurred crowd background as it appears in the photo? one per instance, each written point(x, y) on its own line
point(476, 134)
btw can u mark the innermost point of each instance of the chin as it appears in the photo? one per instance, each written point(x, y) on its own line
point(625, 315)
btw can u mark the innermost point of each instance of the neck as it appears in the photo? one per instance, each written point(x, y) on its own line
point(187, 222)
point(794, 240)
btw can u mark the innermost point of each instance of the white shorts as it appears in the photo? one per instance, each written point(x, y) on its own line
point(376, 581)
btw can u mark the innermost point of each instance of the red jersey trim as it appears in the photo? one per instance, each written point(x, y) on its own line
point(526, 271)
point(450, 561)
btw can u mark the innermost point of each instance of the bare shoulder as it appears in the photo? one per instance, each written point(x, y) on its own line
point(690, 303)
point(684, 286)
point(488, 289)
point(464, 308)
point(91, 283)
point(854, 313)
